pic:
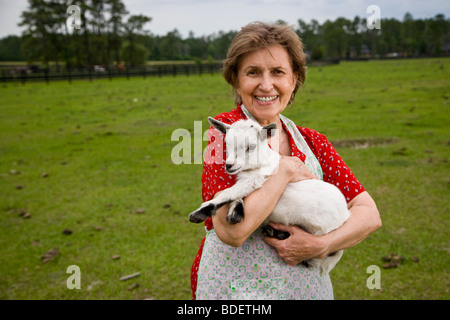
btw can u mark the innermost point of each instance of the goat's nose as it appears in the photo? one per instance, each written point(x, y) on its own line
point(228, 166)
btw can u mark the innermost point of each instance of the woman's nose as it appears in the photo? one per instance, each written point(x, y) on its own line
point(266, 83)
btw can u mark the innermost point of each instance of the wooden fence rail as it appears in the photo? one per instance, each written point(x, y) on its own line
point(25, 74)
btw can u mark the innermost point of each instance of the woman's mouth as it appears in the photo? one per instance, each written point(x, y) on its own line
point(265, 99)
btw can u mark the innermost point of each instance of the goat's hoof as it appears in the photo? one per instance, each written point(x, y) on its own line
point(270, 232)
point(201, 214)
point(236, 212)
point(306, 264)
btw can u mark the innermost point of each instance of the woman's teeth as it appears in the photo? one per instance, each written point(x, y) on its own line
point(266, 99)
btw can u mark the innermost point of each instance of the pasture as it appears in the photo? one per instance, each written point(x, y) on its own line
point(86, 179)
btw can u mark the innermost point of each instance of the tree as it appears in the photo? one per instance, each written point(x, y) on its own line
point(170, 45)
point(106, 37)
point(117, 11)
point(389, 39)
point(197, 47)
point(336, 38)
point(98, 36)
point(36, 38)
point(10, 49)
point(435, 33)
point(98, 41)
point(134, 25)
point(312, 38)
point(218, 44)
point(409, 35)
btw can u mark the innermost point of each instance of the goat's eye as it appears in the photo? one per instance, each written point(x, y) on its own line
point(251, 146)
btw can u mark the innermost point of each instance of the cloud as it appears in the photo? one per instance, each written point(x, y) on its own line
point(10, 12)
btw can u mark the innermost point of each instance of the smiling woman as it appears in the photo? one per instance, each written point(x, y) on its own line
point(266, 65)
point(266, 83)
point(253, 38)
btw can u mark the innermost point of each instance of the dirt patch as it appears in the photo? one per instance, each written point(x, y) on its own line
point(362, 143)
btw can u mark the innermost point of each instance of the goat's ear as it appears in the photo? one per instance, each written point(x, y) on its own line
point(222, 127)
point(267, 130)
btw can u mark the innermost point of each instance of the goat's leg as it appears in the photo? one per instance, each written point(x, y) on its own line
point(236, 211)
point(268, 231)
point(206, 210)
point(209, 208)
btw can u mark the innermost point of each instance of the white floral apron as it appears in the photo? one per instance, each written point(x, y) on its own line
point(255, 271)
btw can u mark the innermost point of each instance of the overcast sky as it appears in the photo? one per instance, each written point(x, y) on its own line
point(205, 17)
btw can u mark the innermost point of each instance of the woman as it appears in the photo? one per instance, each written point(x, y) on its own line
point(266, 65)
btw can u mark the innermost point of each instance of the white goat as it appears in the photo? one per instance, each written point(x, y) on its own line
point(315, 206)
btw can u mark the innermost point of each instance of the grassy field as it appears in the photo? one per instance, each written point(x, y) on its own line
point(86, 168)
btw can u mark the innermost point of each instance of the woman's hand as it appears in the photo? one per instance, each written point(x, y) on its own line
point(295, 169)
point(300, 246)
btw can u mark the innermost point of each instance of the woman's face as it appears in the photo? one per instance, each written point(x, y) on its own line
point(266, 82)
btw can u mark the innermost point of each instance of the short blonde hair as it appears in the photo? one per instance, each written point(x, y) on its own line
point(260, 35)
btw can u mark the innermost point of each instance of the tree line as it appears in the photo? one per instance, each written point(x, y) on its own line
point(109, 35)
point(345, 38)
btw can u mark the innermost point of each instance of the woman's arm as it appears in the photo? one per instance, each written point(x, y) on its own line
point(300, 246)
point(364, 220)
point(259, 204)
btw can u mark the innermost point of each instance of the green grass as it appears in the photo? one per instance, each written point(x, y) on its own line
point(107, 155)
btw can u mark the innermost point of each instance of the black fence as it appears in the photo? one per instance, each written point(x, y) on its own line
point(25, 74)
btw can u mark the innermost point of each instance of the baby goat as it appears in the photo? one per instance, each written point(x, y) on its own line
point(315, 206)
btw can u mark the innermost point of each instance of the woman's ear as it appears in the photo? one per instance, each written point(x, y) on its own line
point(295, 78)
point(294, 84)
point(237, 95)
point(237, 89)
